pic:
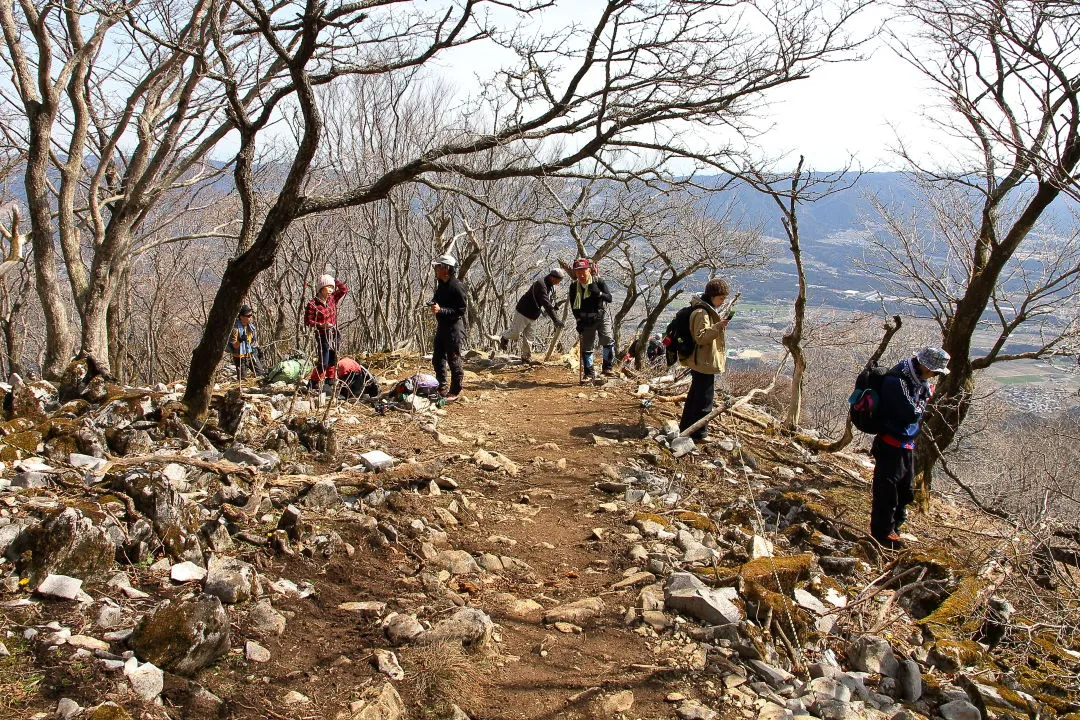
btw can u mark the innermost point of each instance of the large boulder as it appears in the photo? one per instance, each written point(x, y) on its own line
point(33, 400)
point(176, 521)
point(123, 411)
point(183, 637)
point(68, 543)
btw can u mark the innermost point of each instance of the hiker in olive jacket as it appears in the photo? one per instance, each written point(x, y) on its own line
point(709, 357)
point(589, 297)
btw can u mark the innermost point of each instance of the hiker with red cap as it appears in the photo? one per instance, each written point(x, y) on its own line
point(321, 314)
point(589, 298)
point(905, 392)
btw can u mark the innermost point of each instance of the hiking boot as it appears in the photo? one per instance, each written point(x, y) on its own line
point(450, 397)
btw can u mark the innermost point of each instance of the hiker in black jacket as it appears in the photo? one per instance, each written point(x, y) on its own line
point(905, 391)
point(589, 298)
point(540, 297)
point(448, 304)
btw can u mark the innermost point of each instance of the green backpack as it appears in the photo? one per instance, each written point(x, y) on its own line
point(289, 370)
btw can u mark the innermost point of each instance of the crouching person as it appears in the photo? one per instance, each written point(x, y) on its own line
point(355, 380)
point(540, 297)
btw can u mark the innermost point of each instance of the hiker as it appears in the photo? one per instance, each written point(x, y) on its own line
point(321, 314)
point(356, 380)
point(589, 298)
point(541, 296)
point(448, 305)
point(708, 358)
point(244, 344)
point(905, 390)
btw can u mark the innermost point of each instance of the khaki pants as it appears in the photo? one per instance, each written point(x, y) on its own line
point(521, 327)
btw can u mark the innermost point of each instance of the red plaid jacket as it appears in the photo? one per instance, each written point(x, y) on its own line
point(320, 313)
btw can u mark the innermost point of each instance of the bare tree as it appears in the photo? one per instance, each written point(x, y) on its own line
point(788, 192)
point(1009, 72)
point(622, 84)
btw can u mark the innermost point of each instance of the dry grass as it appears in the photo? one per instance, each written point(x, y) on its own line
point(444, 674)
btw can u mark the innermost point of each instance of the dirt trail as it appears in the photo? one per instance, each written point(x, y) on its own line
point(546, 516)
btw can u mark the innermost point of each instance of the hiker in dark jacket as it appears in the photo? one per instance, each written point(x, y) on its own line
point(905, 392)
point(709, 357)
point(589, 297)
point(244, 344)
point(449, 305)
point(540, 297)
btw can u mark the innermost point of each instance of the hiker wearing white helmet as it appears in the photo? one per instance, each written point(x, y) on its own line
point(448, 305)
point(540, 297)
point(905, 392)
point(321, 315)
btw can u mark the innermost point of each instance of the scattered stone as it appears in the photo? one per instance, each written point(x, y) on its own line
point(109, 711)
point(255, 652)
point(85, 642)
point(638, 578)
point(68, 543)
point(187, 572)
point(67, 709)
point(377, 460)
point(183, 637)
point(386, 662)
point(231, 580)
point(685, 593)
point(510, 607)
point(620, 702)
point(63, 587)
point(295, 698)
point(959, 710)
point(387, 705)
point(109, 617)
point(401, 629)
point(86, 462)
point(322, 496)
point(364, 608)
point(579, 612)
point(469, 626)
point(775, 677)
point(910, 678)
point(146, 679)
point(759, 547)
point(456, 562)
point(875, 655)
point(265, 620)
point(681, 446)
point(694, 710)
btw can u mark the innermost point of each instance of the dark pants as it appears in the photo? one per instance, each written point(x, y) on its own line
point(699, 401)
point(247, 366)
point(326, 341)
point(894, 472)
point(448, 352)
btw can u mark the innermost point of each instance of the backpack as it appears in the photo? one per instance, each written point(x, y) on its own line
point(677, 338)
point(865, 400)
point(419, 384)
point(289, 370)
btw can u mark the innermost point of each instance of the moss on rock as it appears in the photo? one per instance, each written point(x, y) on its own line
point(779, 574)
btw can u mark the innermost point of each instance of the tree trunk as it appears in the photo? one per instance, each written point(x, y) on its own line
point(59, 338)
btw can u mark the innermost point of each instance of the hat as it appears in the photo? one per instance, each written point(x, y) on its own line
point(933, 359)
point(326, 281)
point(448, 260)
point(245, 310)
point(557, 272)
point(582, 264)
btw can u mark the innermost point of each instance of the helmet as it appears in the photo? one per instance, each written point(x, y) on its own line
point(326, 281)
point(448, 260)
point(933, 359)
point(582, 264)
point(557, 272)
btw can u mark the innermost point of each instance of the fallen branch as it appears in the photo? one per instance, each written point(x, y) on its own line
point(222, 468)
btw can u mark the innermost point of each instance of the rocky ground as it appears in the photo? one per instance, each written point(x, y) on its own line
point(535, 550)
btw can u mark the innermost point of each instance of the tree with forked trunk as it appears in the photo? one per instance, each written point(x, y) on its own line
point(976, 254)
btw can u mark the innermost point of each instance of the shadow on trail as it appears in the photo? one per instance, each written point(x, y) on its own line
point(611, 431)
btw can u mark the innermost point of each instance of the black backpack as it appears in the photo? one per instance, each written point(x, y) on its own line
point(678, 340)
point(865, 401)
